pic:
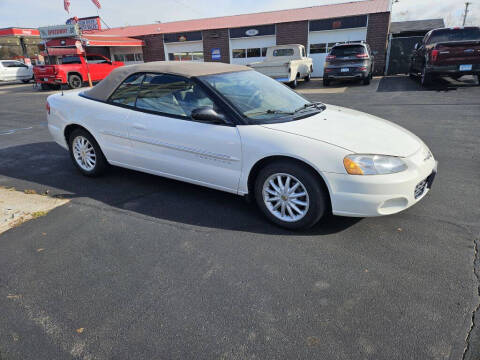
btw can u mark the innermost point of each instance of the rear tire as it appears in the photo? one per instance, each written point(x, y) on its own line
point(366, 81)
point(308, 77)
point(326, 82)
point(294, 83)
point(301, 207)
point(86, 154)
point(74, 82)
point(426, 78)
point(26, 81)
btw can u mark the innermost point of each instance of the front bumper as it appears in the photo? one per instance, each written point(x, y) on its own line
point(377, 195)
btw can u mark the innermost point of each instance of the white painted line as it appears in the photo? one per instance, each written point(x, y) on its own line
point(13, 131)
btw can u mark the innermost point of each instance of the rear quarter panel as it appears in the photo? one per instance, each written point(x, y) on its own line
point(108, 124)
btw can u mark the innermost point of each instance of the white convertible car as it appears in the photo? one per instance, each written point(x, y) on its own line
point(231, 128)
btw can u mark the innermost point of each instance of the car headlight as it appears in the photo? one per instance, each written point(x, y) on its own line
point(373, 164)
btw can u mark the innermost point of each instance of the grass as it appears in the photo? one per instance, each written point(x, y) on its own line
point(38, 214)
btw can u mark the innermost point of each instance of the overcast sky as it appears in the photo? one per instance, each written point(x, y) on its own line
point(34, 13)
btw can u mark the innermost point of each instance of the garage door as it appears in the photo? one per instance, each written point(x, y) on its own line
point(320, 43)
point(184, 51)
point(248, 50)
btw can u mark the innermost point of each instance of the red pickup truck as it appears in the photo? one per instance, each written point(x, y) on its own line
point(73, 71)
point(447, 51)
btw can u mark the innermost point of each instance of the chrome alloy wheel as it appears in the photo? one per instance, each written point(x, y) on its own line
point(84, 153)
point(285, 197)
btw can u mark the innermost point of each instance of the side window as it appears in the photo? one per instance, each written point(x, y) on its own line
point(95, 59)
point(71, 60)
point(171, 94)
point(126, 94)
point(303, 52)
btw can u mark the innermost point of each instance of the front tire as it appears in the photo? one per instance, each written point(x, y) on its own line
point(326, 82)
point(26, 81)
point(290, 195)
point(86, 154)
point(308, 77)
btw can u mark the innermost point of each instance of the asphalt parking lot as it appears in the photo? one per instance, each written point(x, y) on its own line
point(141, 267)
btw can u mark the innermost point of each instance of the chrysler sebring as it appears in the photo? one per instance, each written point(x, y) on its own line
point(231, 128)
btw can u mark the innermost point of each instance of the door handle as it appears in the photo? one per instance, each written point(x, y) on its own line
point(138, 126)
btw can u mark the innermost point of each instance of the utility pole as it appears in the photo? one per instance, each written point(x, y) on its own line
point(467, 4)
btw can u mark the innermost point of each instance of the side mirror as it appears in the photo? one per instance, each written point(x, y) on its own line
point(207, 114)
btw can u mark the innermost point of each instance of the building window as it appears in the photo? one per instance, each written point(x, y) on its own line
point(138, 57)
point(181, 37)
point(318, 48)
point(349, 22)
point(255, 52)
point(264, 52)
point(238, 53)
point(186, 56)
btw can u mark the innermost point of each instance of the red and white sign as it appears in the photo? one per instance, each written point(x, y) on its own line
point(52, 32)
point(86, 24)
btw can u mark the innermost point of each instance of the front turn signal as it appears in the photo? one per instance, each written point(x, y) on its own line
point(352, 167)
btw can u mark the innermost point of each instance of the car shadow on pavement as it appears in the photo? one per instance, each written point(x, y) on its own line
point(402, 83)
point(47, 168)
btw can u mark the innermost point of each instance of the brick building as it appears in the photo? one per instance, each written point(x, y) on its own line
point(242, 39)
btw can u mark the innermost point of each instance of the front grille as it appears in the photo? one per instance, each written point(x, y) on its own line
point(420, 188)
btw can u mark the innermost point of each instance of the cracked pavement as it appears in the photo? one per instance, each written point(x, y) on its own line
point(140, 267)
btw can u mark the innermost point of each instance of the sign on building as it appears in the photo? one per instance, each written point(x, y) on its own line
point(216, 55)
point(58, 31)
point(86, 24)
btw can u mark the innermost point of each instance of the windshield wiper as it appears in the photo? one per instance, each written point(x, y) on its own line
point(317, 105)
point(270, 111)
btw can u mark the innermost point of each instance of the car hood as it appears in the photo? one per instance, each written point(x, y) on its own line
point(354, 131)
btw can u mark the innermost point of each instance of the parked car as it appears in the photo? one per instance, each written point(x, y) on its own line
point(73, 71)
point(12, 70)
point(286, 63)
point(349, 61)
point(233, 129)
point(447, 51)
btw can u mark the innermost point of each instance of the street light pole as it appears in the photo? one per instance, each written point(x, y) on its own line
point(467, 4)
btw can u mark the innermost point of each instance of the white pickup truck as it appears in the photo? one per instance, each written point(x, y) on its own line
point(286, 63)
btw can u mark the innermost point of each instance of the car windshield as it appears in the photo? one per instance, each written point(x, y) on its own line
point(258, 97)
point(446, 35)
point(348, 50)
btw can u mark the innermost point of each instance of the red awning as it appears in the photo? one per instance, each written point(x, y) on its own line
point(99, 40)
